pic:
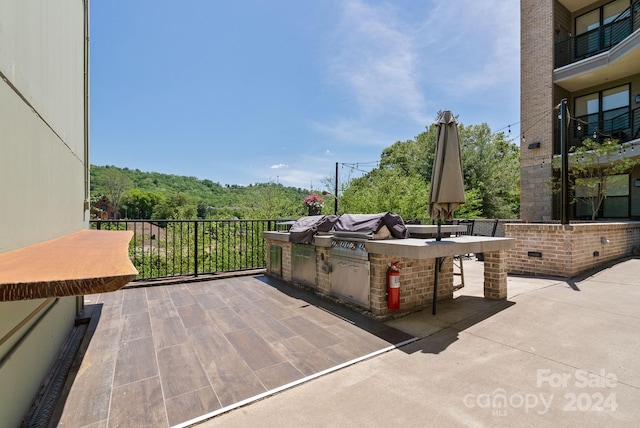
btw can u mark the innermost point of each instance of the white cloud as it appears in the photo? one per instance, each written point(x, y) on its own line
point(303, 178)
point(375, 61)
point(352, 132)
point(279, 166)
point(474, 46)
point(400, 67)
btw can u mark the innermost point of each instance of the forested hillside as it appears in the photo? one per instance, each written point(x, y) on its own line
point(138, 194)
point(400, 184)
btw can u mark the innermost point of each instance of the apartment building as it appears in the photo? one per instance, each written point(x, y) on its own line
point(587, 52)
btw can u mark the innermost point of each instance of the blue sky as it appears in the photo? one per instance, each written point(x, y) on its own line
point(249, 91)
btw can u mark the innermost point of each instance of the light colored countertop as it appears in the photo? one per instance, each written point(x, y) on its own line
point(429, 229)
point(418, 248)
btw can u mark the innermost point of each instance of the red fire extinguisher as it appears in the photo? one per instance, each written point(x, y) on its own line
point(393, 287)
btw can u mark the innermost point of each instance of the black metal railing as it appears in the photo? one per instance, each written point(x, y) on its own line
point(598, 40)
point(622, 124)
point(171, 248)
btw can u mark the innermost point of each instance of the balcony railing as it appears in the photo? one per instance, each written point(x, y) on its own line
point(621, 124)
point(172, 248)
point(598, 40)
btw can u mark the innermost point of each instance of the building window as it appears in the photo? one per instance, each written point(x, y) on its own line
point(585, 195)
point(605, 112)
point(596, 30)
point(614, 205)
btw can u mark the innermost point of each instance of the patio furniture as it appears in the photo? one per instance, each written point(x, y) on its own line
point(489, 231)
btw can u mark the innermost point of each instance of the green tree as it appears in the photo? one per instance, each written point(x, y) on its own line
point(400, 184)
point(412, 157)
point(116, 183)
point(136, 203)
point(491, 165)
point(386, 189)
point(270, 200)
point(177, 206)
point(472, 207)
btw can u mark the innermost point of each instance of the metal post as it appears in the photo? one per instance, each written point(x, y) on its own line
point(435, 287)
point(335, 193)
point(195, 245)
point(564, 153)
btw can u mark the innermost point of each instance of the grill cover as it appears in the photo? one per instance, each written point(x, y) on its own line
point(372, 223)
point(303, 229)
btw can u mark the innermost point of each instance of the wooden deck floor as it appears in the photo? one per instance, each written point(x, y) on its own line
point(163, 355)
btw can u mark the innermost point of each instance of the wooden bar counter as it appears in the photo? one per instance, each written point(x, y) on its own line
point(85, 262)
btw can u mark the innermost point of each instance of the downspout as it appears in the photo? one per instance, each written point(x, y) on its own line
point(87, 165)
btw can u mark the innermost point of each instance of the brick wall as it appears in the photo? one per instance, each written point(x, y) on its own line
point(286, 258)
point(416, 278)
point(568, 250)
point(416, 282)
point(323, 270)
point(536, 106)
point(495, 275)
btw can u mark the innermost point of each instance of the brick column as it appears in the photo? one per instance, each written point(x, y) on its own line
point(323, 269)
point(286, 258)
point(286, 261)
point(378, 283)
point(445, 280)
point(537, 99)
point(495, 275)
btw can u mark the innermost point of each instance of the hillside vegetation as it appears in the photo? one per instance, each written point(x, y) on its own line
point(138, 194)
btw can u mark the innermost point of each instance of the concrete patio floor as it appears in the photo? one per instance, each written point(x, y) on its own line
point(556, 353)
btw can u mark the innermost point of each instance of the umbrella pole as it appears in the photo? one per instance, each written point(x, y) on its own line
point(436, 268)
point(435, 286)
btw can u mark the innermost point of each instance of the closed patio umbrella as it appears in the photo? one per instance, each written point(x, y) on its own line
point(447, 183)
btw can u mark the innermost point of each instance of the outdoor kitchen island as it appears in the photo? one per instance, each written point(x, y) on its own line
point(361, 278)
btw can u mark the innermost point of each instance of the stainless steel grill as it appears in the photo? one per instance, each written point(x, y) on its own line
point(350, 277)
point(349, 248)
point(303, 264)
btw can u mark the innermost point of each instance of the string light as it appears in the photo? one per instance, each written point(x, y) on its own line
point(509, 137)
point(359, 165)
